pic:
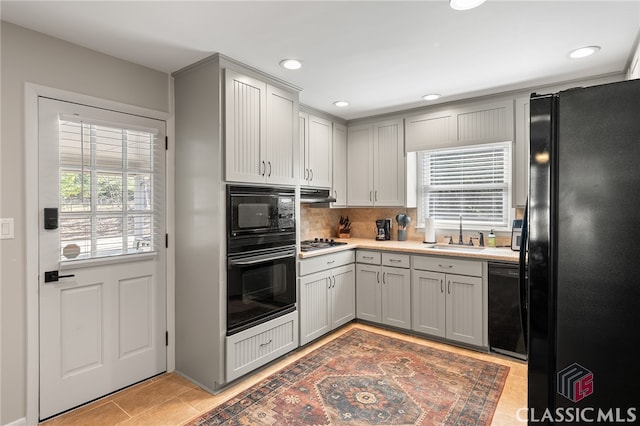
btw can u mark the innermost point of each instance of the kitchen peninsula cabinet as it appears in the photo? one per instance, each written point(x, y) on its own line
point(261, 132)
point(316, 139)
point(327, 293)
point(447, 299)
point(376, 164)
point(383, 288)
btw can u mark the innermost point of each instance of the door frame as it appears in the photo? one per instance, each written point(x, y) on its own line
point(31, 94)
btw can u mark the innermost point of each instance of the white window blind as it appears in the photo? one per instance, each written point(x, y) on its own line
point(473, 182)
point(109, 200)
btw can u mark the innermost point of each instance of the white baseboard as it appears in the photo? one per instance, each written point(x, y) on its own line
point(19, 422)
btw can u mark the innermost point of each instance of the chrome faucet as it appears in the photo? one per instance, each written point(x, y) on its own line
point(460, 241)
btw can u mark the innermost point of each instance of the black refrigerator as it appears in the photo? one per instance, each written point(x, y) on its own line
point(584, 256)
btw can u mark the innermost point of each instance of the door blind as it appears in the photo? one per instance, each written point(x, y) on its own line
point(473, 182)
point(108, 204)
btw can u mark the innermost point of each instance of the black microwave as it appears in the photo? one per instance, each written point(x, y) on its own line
point(259, 217)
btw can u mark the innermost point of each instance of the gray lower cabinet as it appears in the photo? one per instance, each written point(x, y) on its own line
point(448, 304)
point(383, 291)
point(327, 294)
point(252, 348)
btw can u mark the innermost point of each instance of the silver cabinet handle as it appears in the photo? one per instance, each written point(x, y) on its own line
point(306, 174)
point(449, 287)
point(384, 278)
point(311, 175)
point(445, 266)
point(370, 195)
point(329, 262)
point(367, 257)
point(441, 288)
point(269, 162)
point(395, 260)
point(264, 168)
point(378, 277)
point(265, 344)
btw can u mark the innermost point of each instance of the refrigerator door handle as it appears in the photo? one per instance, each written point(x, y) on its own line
point(522, 288)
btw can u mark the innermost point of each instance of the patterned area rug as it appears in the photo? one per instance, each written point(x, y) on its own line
point(363, 378)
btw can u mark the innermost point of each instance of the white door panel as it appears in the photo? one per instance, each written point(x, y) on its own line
point(102, 324)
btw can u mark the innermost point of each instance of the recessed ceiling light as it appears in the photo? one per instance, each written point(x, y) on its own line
point(431, 97)
point(341, 104)
point(291, 64)
point(465, 4)
point(583, 52)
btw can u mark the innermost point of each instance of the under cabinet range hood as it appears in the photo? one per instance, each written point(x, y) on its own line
point(316, 196)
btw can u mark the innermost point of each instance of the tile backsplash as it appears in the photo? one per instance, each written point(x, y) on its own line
point(323, 223)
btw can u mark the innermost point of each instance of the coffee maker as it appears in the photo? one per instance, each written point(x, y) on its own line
point(383, 229)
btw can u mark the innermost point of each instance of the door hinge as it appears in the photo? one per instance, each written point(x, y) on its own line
point(166, 338)
point(166, 240)
point(166, 143)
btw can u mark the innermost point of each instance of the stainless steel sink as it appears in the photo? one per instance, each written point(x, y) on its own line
point(454, 247)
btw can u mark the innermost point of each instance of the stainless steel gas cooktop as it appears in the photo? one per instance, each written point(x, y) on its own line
point(319, 243)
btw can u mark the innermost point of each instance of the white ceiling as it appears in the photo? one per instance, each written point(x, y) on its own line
point(381, 56)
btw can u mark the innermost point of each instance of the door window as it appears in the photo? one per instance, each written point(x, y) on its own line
point(107, 199)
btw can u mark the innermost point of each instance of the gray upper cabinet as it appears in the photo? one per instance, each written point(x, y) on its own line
point(521, 153)
point(431, 130)
point(318, 152)
point(261, 140)
point(376, 164)
point(460, 125)
point(360, 165)
point(339, 172)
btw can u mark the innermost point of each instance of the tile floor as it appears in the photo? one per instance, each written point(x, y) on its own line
point(171, 400)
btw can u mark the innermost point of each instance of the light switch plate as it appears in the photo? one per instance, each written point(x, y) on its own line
point(6, 229)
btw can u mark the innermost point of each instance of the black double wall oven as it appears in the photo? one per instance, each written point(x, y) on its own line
point(261, 255)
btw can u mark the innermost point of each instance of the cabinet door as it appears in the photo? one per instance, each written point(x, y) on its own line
point(360, 165)
point(314, 306)
point(339, 181)
point(520, 168)
point(368, 293)
point(396, 297)
point(245, 131)
point(428, 302)
point(429, 131)
point(282, 136)
point(303, 143)
point(320, 144)
point(343, 295)
point(464, 309)
point(388, 163)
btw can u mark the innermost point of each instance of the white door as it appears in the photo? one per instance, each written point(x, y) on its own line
point(103, 317)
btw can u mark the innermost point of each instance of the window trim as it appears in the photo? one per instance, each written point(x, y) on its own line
point(454, 224)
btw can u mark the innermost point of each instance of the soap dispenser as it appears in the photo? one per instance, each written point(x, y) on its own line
point(491, 239)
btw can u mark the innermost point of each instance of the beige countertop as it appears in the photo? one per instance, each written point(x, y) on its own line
point(504, 254)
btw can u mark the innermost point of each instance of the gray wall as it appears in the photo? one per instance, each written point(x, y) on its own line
point(28, 56)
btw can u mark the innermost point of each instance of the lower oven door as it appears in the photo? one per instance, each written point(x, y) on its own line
point(261, 285)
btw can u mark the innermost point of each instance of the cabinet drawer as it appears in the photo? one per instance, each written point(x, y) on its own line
point(370, 257)
point(397, 260)
point(258, 345)
point(327, 261)
point(450, 266)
